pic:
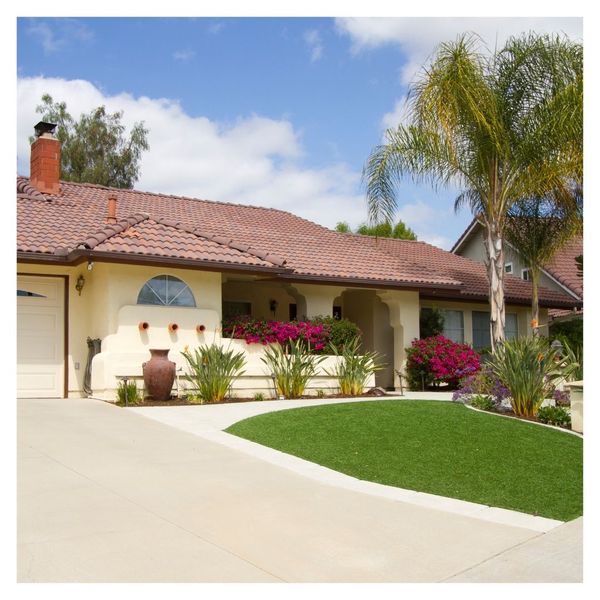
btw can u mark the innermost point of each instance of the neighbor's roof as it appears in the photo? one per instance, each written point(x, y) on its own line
point(184, 231)
point(562, 267)
point(472, 273)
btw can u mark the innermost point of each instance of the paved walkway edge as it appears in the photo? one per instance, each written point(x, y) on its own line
point(335, 478)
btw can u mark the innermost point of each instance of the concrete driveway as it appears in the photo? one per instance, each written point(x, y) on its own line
point(106, 495)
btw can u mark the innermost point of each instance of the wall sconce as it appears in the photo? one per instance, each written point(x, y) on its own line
point(80, 283)
point(273, 304)
point(90, 264)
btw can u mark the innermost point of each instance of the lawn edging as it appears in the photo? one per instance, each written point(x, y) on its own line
point(489, 412)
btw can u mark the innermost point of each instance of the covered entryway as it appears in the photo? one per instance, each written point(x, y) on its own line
point(40, 337)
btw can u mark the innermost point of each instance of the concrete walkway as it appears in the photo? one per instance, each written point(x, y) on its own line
point(105, 495)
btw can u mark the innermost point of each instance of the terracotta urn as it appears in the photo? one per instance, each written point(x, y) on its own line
point(159, 374)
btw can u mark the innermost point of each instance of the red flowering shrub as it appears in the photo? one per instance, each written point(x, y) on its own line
point(436, 360)
point(259, 331)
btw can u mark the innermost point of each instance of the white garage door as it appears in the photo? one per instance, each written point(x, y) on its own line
point(40, 337)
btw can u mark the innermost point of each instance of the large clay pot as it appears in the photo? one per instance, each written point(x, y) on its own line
point(159, 374)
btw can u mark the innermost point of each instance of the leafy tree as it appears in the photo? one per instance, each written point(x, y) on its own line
point(538, 228)
point(95, 148)
point(343, 227)
point(400, 231)
point(502, 127)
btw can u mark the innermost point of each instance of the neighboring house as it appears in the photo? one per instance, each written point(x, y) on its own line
point(560, 274)
point(95, 262)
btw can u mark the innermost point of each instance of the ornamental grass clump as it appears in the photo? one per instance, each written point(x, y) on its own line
point(354, 367)
point(212, 370)
point(436, 360)
point(529, 367)
point(291, 366)
point(130, 391)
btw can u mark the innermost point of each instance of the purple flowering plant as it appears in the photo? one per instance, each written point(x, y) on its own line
point(484, 382)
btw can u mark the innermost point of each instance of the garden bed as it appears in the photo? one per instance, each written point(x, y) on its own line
point(185, 402)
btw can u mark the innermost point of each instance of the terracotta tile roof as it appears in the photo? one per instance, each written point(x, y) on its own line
point(472, 273)
point(180, 228)
point(564, 268)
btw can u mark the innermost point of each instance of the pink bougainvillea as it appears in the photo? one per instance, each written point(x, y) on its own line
point(259, 331)
point(437, 359)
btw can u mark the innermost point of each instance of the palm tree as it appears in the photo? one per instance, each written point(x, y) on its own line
point(538, 228)
point(502, 127)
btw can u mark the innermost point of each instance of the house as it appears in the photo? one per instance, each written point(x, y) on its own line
point(123, 266)
point(560, 274)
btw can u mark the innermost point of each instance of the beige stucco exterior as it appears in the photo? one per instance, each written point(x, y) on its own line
point(107, 309)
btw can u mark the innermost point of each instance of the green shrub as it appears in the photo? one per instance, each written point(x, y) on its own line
point(320, 393)
point(554, 415)
point(481, 402)
point(354, 367)
point(341, 331)
point(529, 367)
point(570, 332)
point(431, 322)
point(212, 370)
point(259, 397)
point(134, 395)
point(291, 366)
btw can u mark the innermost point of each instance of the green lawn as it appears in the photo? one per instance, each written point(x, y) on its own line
point(437, 447)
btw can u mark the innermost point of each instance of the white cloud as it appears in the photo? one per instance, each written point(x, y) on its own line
point(419, 36)
point(56, 34)
point(254, 160)
point(184, 55)
point(314, 43)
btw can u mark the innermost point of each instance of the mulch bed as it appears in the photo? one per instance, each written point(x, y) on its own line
point(374, 392)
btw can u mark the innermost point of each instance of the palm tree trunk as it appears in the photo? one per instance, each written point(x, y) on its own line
point(494, 248)
point(535, 306)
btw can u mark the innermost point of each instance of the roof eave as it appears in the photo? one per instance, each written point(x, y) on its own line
point(76, 257)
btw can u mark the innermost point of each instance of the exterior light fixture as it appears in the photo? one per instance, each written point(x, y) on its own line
point(557, 345)
point(90, 265)
point(273, 304)
point(80, 283)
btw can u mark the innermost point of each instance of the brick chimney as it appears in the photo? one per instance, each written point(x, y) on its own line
point(44, 173)
point(111, 217)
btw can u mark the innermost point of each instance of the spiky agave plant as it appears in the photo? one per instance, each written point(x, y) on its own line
point(213, 369)
point(292, 366)
point(354, 367)
point(528, 367)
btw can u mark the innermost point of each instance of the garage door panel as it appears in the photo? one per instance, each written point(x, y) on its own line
point(40, 337)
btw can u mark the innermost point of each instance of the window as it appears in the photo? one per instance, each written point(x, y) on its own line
point(29, 294)
point(511, 328)
point(508, 268)
point(481, 328)
point(293, 311)
point(454, 325)
point(236, 309)
point(166, 290)
point(525, 274)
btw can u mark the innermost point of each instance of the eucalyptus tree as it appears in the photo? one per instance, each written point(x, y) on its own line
point(95, 148)
point(500, 126)
point(537, 228)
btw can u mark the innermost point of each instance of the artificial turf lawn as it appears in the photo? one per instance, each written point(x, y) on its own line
point(436, 447)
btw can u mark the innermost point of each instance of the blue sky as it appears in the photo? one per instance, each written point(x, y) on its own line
point(278, 112)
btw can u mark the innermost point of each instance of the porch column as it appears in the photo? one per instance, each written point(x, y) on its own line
point(404, 319)
point(316, 300)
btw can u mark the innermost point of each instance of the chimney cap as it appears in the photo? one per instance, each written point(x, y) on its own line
point(42, 127)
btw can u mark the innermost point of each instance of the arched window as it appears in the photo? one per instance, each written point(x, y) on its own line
point(166, 290)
